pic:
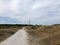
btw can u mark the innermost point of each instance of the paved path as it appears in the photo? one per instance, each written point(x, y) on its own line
point(19, 38)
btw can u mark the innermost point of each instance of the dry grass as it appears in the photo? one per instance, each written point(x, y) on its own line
point(7, 32)
point(44, 35)
point(37, 35)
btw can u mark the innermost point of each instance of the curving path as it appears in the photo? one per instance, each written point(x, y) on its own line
point(19, 38)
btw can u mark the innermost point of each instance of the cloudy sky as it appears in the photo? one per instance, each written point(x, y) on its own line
point(37, 11)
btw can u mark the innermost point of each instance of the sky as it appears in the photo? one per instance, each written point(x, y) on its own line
point(44, 12)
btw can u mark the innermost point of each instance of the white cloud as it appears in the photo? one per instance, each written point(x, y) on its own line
point(38, 11)
point(42, 4)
